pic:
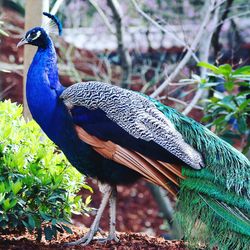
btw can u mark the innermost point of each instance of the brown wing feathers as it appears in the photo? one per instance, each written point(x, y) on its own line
point(157, 172)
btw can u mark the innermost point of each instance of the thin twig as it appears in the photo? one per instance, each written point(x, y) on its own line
point(205, 55)
point(103, 16)
point(179, 101)
point(234, 16)
point(215, 39)
point(126, 62)
point(189, 53)
point(169, 32)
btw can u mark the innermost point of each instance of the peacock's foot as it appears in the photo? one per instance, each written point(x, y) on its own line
point(111, 237)
point(85, 240)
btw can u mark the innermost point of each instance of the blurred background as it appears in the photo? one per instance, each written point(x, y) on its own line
point(151, 46)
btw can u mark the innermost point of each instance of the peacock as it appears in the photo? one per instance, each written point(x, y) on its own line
point(117, 136)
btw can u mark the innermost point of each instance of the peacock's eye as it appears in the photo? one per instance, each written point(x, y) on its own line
point(34, 35)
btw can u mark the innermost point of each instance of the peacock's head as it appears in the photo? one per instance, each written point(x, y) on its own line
point(38, 36)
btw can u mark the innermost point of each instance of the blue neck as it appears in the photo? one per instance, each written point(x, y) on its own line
point(43, 86)
point(43, 90)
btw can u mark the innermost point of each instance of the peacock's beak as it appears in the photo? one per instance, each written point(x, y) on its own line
point(22, 42)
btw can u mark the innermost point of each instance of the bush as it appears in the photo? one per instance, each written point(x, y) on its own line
point(228, 106)
point(38, 187)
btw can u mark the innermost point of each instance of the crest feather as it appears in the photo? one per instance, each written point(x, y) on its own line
point(49, 26)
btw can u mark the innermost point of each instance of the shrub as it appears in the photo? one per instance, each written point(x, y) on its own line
point(228, 106)
point(38, 187)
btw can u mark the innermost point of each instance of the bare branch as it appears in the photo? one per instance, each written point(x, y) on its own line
point(122, 50)
point(234, 16)
point(215, 38)
point(189, 53)
point(165, 30)
point(204, 57)
point(103, 16)
point(179, 101)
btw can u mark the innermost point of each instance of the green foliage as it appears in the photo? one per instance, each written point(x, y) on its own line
point(228, 107)
point(38, 187)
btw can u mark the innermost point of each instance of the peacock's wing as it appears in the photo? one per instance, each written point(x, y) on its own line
point(133, 113)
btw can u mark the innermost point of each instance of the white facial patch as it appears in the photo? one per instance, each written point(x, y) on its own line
point(38, 33)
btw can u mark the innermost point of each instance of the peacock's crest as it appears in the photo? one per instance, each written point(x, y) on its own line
point(53, 25)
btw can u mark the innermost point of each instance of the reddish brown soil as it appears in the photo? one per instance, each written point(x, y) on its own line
point(127, 241)
point(136, 212)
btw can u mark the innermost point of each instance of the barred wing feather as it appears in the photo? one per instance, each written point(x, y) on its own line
point(135, 114)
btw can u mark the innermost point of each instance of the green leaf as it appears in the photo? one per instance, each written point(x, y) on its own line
point(2, 187)
point(243, 105)
point(206, 118)
point(67, 229)
point(225, 70)
point(8, 204)
point(25, 224)
point(219, 120)
point(229, 85)
point(2, 197)
point(85, 186)
point(228, 103)
point(16, 187)
point(39, 234)
point(244, 84)
point(231, 135)
point(45, 216)
point(245, 70)
point(209, 66)
point(48, 233)
point(88, 200)
point(3, 33)
point(31, 222)
point(242, 123)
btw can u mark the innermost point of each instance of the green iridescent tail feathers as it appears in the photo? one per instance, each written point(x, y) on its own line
point(217, 198)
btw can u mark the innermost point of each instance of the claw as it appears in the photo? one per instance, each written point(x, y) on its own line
point(85, 240)
point(109, 238)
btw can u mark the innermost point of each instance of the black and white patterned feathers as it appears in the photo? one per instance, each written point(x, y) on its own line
point(135, 114)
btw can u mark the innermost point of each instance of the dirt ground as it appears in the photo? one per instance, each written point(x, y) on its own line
point(137, 218)
point(136, 212)
point(127, 241)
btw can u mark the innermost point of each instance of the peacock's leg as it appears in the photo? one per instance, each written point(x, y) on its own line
point(85, 240)
point(112, 203)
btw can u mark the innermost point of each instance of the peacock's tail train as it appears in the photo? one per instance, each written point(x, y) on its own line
point(214, 200)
